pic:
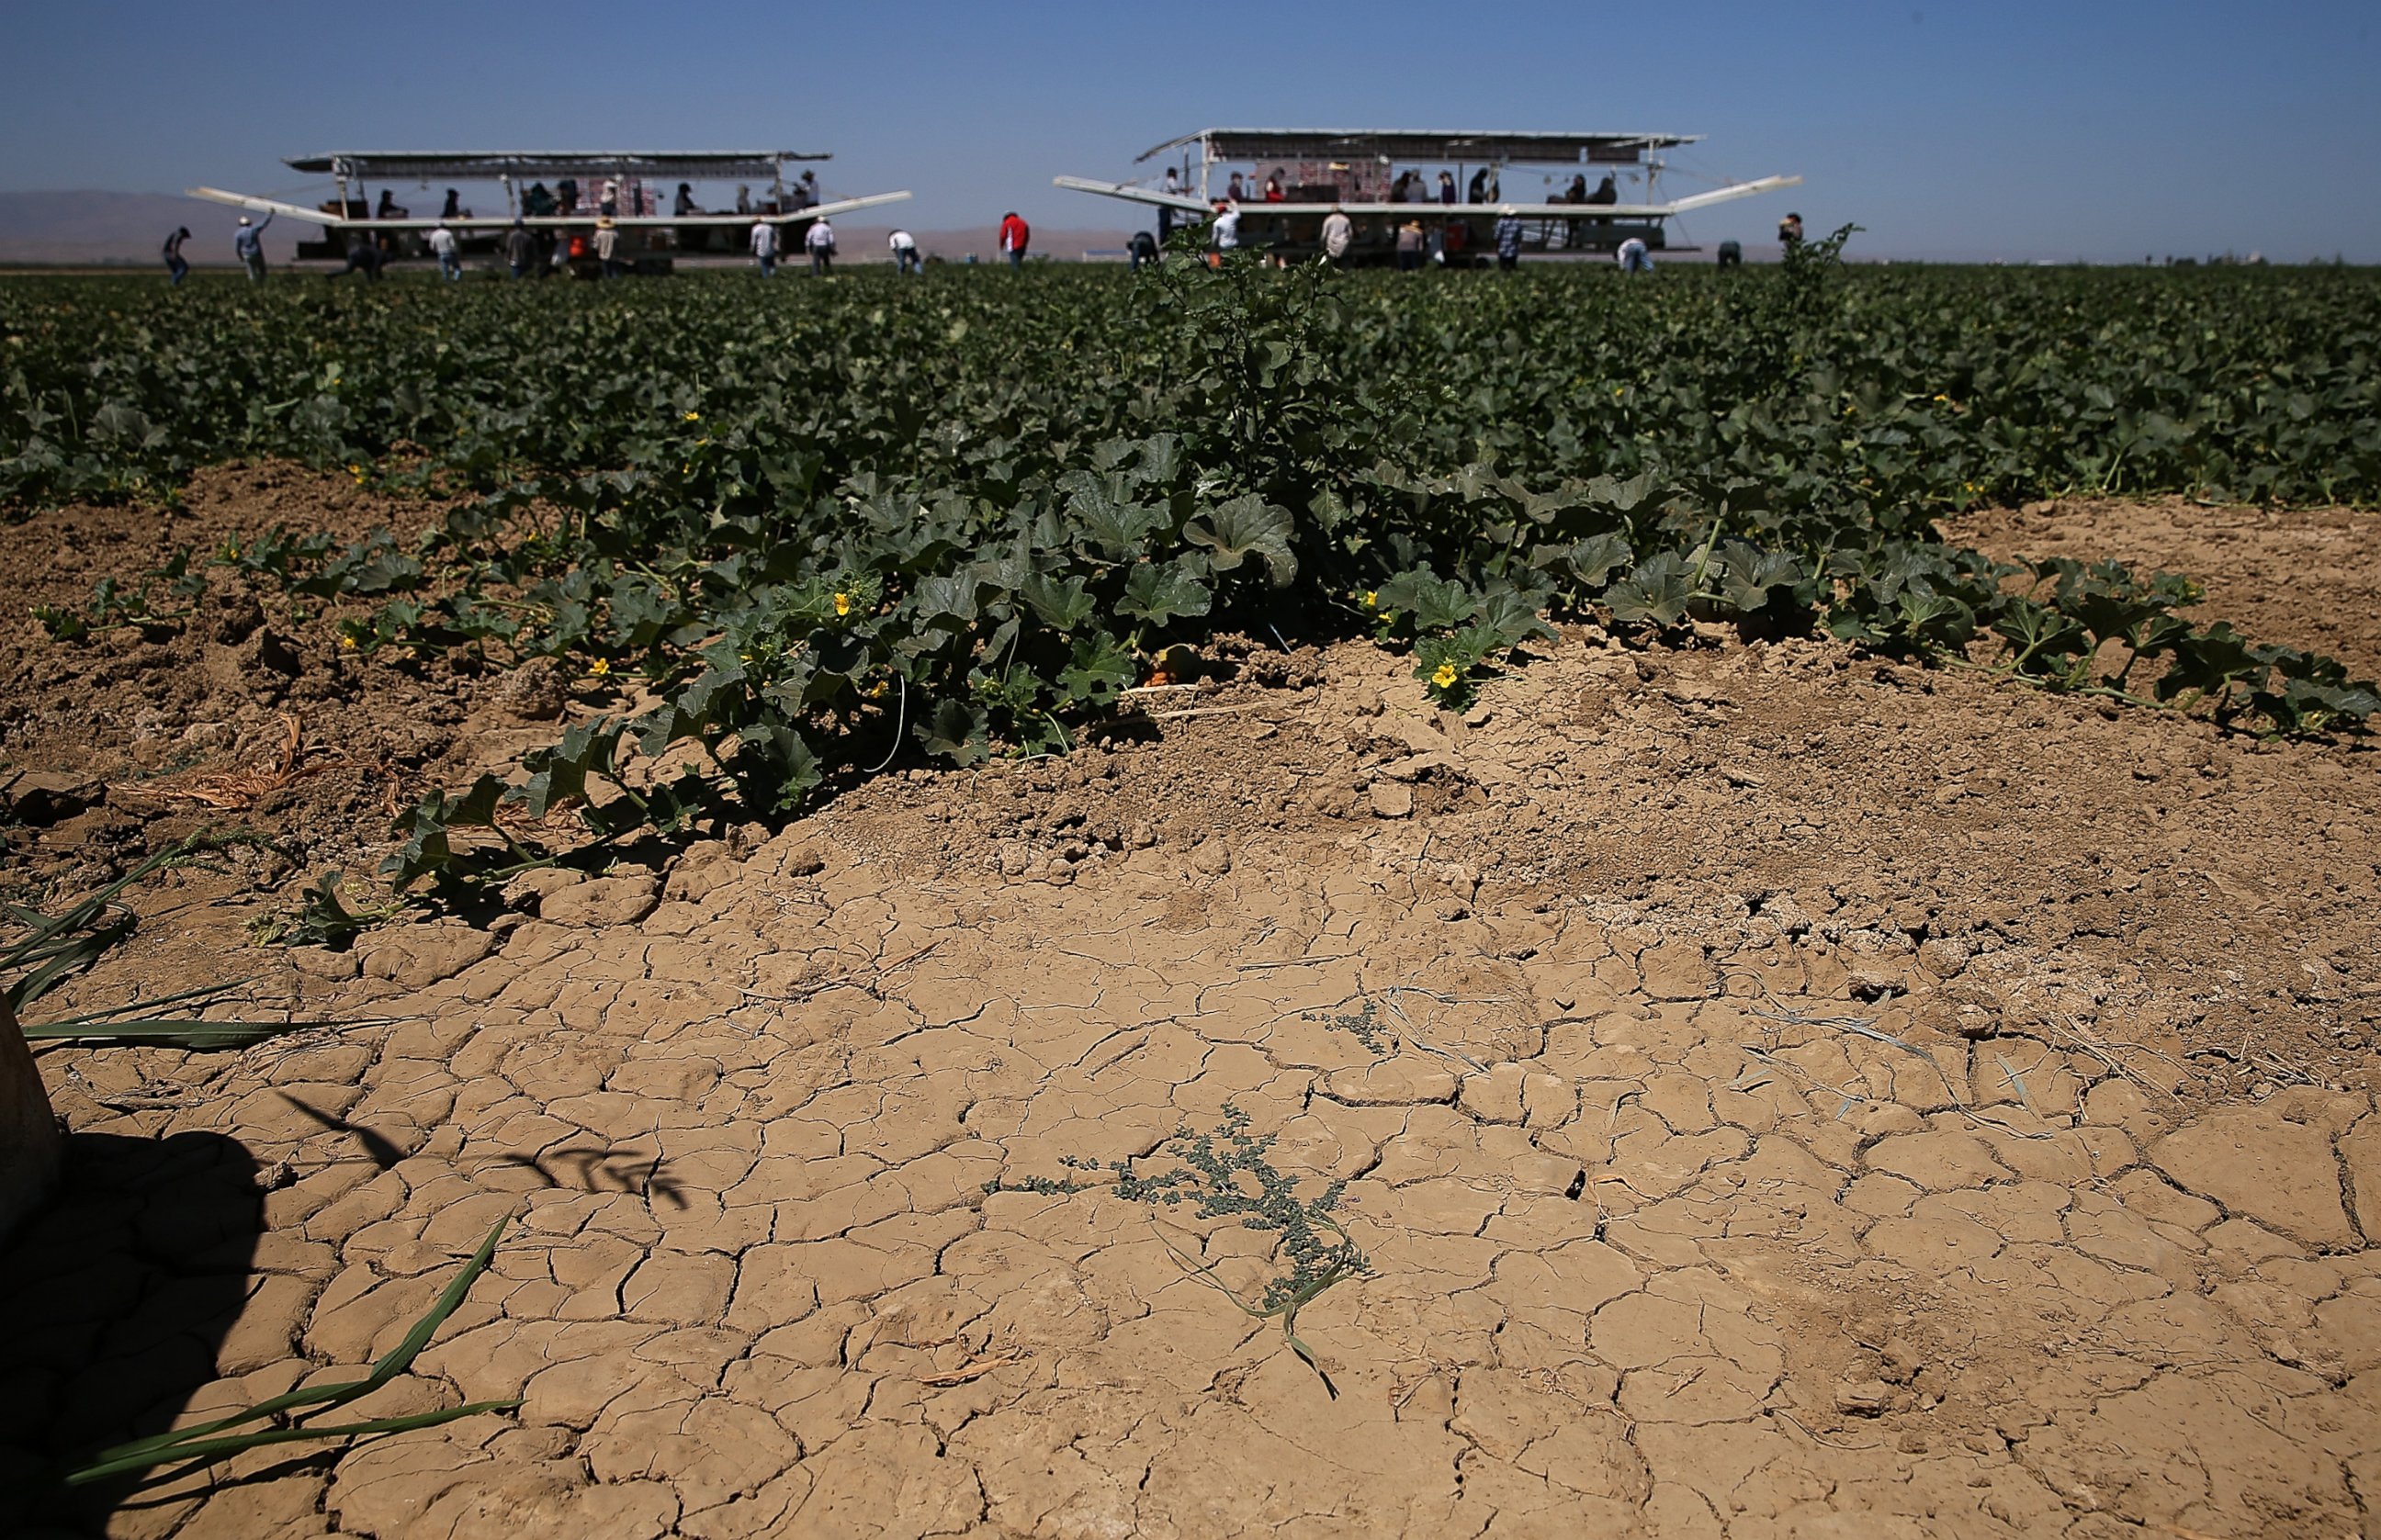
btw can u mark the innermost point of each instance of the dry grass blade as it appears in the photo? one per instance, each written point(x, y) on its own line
point(56, 947)
point(237, 791)
point(212, 1440)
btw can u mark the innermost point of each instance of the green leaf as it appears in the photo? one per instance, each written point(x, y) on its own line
point(1656, 593)
point(1100, 668)
point(1063, 605)
point(956, 732)
point(1158, 594)
point(1247, 526)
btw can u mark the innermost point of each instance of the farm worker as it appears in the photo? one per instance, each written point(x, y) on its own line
point(1224, 234)
point(1173, 189)
point(1790, 232)
point(684, 205)
point(450, 256)
point(388, 208)
point(1606, 192)
point(248, 244)
point(806, 191)
point(906, 258)
point(519, 249)
point(174, 263)
point(743, 199)
point(607, 245)
point(1633, 256)
point(764, 247)
point(1141, 249)
point(1233, 190)
point(821, 241)
point(1273, 190)
point(1447, 187)
point(1508, 240)
point(453, 208)
point(1478, 191)
point(1015, 235)
point(1339, 234)
point(610, 207)
point(1731, 254)
point(363, 255)
point(1411, 246)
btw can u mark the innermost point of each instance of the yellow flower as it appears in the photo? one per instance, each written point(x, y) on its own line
point(1445, 676)
point(843, 605)
point(600, 667)
point(347, 644)
point(691, 416)
point(1372, 598)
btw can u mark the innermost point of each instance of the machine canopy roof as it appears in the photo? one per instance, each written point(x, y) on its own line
point(1426, 145)
point(396, 165)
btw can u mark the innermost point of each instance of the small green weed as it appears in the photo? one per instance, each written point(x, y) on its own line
point(1228, 1174)
point(1364, 1027)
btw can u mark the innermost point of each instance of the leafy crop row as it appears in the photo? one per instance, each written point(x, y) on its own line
point(817, 526)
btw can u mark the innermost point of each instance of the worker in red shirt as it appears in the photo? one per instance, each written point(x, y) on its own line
point(1014, 235)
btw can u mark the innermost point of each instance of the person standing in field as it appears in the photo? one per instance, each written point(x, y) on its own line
point(821, 241)
point(906, 259)
point(1015, 235)
point(175, 263)
point(1224, 235)
point(450, 255)
point(519, 249)
point(1142, 249)
point(1173, 189)
point(1508, 240)
point(1339, 234)
point(607, 247)
point(1411, 246)
point(1789, 233)
point(1633, 258)
point(248, 244)
point(764, 247)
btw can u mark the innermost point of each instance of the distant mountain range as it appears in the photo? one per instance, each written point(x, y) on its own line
point(128, 228)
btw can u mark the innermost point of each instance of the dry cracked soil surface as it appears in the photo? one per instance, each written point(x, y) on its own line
point(1777, 1094)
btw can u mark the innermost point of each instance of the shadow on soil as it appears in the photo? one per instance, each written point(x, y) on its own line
point(117, 1299)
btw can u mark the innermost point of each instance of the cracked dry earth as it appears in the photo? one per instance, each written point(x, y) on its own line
point(1892, 1165)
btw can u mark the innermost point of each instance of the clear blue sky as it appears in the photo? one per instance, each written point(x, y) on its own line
point(2104, 130)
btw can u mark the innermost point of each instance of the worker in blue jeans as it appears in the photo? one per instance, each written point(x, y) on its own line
point(248, 246)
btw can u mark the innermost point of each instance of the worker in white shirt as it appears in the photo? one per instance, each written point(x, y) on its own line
point(906, 258)
point(1225, 233)
point(821, 241)
point(450, 256)
point(1339, 234)
point(764, 247)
